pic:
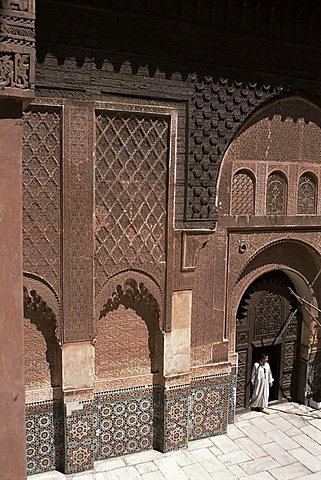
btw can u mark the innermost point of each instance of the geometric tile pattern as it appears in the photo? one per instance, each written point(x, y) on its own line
point(44, 437)
point(209, 406)
point(124, 421)
point(232, 398)
point(175, 420)
point(79, 436)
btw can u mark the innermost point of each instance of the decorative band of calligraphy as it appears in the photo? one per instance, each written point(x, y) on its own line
point(15, 70)
point(18, 5)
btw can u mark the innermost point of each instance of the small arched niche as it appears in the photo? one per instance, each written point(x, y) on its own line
point(42, 352)
point(127, 332)
point(243, 193)
point(276, 194)
point(307, 194)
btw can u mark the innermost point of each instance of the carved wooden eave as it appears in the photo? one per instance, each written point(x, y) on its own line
point(17, 49)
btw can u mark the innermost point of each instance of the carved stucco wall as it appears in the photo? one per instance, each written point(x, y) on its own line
point(42, 357)
point(42, 353)
point(17, 48)
point(281, 143)
point(285, 137)
point(123, 346)
point(282, 140)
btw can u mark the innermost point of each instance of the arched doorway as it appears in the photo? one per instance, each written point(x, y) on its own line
point(262, 312)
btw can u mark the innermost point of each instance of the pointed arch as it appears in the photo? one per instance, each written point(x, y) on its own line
point(42, 350)
point(127, 331)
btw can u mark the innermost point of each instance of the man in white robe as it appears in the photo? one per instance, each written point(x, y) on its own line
point(261, 380)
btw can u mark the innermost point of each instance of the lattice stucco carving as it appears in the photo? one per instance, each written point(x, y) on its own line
point(276, 195)
point(242, 194)
point(131, 179)
point(307, 194)
point(41, 157)
point(219, 106)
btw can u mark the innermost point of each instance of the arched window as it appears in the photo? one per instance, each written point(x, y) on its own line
point(307, 194)
point(243, 193)
point(276, 194)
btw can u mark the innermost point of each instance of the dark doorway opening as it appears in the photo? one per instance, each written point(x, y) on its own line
point(274, 353)
point(262, 312)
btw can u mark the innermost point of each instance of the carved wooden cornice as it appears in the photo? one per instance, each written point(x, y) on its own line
point(17, 48)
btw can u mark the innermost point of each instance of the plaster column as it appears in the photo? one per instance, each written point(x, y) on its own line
point(176, 374)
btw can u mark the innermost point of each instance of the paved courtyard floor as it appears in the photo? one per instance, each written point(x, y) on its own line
point(285, 445)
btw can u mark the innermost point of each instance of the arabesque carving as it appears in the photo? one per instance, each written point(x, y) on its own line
point(17, 48)
point(134, 296)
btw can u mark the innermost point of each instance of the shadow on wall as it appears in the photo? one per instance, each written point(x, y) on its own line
point(42, 351)
point(44, 420)
point(127, 332)
point(314, 369)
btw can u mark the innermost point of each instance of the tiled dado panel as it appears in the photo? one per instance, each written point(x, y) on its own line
point(127, 421)
point(124, 421)
point(174, 424)
point(44, 436)
point(209, 406)
point(79, 438)
point(232, 396)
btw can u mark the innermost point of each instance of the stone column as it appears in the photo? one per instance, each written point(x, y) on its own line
point(176, 375)
point(17, 54)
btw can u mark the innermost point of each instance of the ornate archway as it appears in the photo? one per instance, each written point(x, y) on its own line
point(262, 312)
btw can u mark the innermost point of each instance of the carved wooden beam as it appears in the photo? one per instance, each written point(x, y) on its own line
point(17, 48)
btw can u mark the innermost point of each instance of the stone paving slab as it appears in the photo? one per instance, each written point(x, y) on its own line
point(290, 472)
point(285, 445)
